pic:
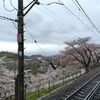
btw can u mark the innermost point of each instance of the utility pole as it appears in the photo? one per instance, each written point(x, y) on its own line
point(19, 80)
point(20, 39)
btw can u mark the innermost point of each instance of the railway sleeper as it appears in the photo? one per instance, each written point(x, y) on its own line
point(77, 98)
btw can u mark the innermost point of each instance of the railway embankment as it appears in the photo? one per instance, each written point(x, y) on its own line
point(65, 91)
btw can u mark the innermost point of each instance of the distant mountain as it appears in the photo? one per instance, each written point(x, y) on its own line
point(35, 63)
point(11, 55)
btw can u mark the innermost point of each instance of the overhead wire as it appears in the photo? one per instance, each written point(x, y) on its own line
point(35, 41)
point(64, 22)
point(7, 18)
point(51, 3)
point(75, 4)
point(78, 7)
point(9, 10)
point(54, 16)
point(14, 25)
point(87, 16)
point(2, 18)
point(67, 9)
point(60, 3)
point(59, 19)
point(13, 5)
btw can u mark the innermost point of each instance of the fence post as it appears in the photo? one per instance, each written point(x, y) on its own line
point(53, 85)
point(49, 86)
point(25, 91)
point(38, 91)
point(63, 81)
point(5, 96)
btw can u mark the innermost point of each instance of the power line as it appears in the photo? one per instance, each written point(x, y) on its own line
point(84, 15)
point(67, 23)
point(2, 18)
point(40, 47)
point(9, 10)
point(54, 16)
point(75, 4)
point(61, 20)
point(78, 7)
point(14, 25)
point(87, 16)
point(51, 3)
point(13, 5)
point(35, 41)
point(57, 17)
point(7, 18)
point(67, 9)
point(61, 3)
point(64, 22)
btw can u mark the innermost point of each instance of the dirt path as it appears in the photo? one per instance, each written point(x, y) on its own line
point(2, 59)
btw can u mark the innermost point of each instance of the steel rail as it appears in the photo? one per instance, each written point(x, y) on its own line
point(92, 93)
point(85, 84)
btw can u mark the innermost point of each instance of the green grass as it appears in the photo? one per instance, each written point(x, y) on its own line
point(36, 94)
point(43, 91)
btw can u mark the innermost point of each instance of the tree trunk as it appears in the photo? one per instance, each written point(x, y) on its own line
point(86, 68)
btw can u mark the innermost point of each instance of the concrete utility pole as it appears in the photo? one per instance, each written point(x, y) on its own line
point(19, 80)
point(20, 39)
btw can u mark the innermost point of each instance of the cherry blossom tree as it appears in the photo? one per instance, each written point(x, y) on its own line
point(80, 51)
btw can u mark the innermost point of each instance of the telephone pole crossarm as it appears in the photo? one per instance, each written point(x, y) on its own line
point(35, 2)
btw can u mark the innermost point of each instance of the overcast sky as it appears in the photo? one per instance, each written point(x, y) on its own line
point(50, 25)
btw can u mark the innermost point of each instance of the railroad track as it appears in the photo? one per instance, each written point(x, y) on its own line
point(95, 93)
point(88, 91)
